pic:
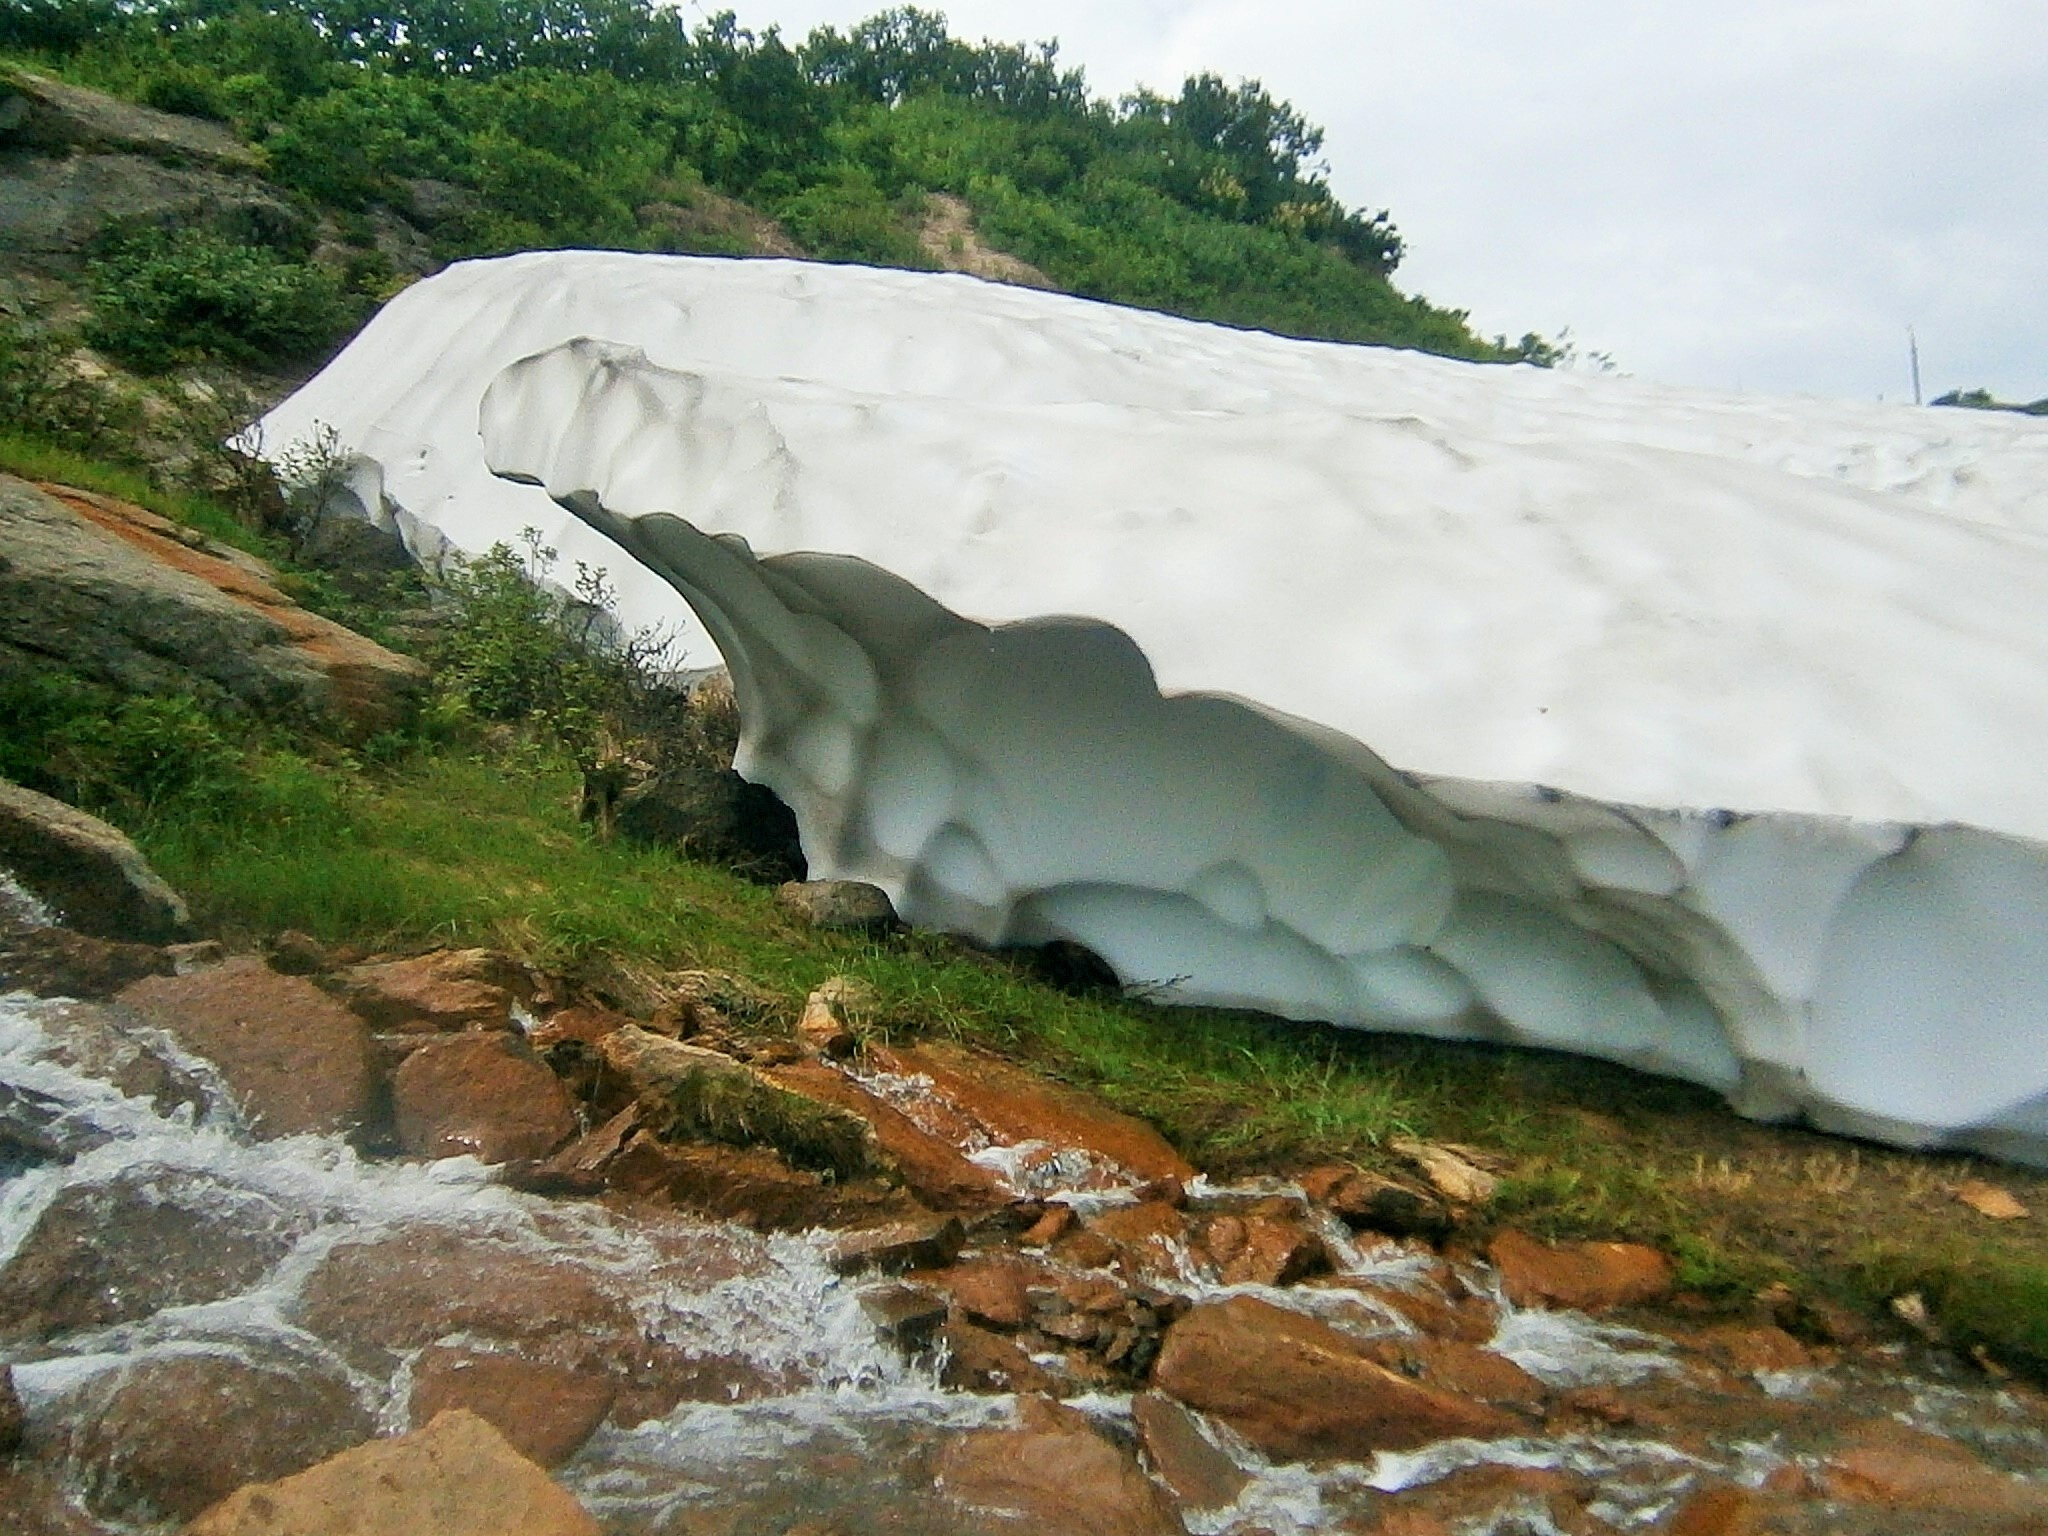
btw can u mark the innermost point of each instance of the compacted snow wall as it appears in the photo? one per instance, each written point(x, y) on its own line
point(1714, 721)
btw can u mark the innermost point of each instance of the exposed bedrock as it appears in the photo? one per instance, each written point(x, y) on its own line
point(1029, 781)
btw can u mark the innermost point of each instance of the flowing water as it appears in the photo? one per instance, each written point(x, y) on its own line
point(826, 1427)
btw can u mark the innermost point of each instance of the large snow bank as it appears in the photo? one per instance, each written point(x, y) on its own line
point(1718, 718)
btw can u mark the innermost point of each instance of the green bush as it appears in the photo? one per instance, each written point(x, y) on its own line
point(163, 296)
point(848, 219)
point(127, 757)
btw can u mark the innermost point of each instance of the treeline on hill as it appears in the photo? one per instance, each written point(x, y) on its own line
point(611, 123)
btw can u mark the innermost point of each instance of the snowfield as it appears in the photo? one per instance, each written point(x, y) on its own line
point(1697, 732)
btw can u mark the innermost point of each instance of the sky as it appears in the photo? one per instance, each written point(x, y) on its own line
point(1760, 195)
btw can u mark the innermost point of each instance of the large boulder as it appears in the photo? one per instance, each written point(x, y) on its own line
point(294, 1058)
point(483, 1095)
point(1053, 1475)
point(90, 872)
point(116, 594)
point(456, 1477)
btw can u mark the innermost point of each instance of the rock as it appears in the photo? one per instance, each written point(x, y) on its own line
point(1455, 1173)
point(1992, 1200)
point(34, 1130)
point(92, 1039)
point(479, 1095)
point(449, 989)
point(750, 1185)
point(976, 1360)
point(1051, 1225)
point(13, 1420)
point(1053, 1475)
point(544, 1411)
point(936, 1171)
point(992, 1290)
point(89, 871)
point(850, 906)
point(824, 1030)
point(121, 596)
point(1382, 1205)
point(1453, 1365)
point(1298, 1389)
point(295, 1059)
point(56, 962)
point(1900, 1469)
point(908, 1316)
point(1591, 1277)
point(582, 1167)
point(1263, 1249)
point(61, 117)
point(116, 1252)
point(581, 1024)
point(690, 1094)
point(293, 953)
point(1750, 1350)
point(168, 1435)
point(195, 955)
point(54, 209)
point(38, 1504)
point(456, 1477)
point(921, 1242)
point(1008, 1106)
point(1201, 1476)
point(1725, 1510)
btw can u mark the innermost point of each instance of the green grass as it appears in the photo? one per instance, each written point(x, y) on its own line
point(32, 458)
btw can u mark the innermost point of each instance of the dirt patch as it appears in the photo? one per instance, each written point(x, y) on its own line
point(949, 238)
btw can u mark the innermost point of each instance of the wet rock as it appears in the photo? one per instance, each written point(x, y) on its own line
point(456, 1477)
point(1900, 1469)
point(996, 1291)
point(294, 1058)
point(581, 1024)
point(168, 1435)
point(1053, 1475)
point(13, 1421)
point(544, 1411)
point(38, 1504)
point(480, 1095)
point(1201, 1476)
point(908, 1316)
point(1008, 1106)
point(1440, 1306)
point(581, 1168)
point(33, 1131)
point(1298, 1389)
point(1452, 1365)
point(688, 1093)
point(1262, 1248)
point(851, 906)
point(934, 1170)
point(1052, 1224)
point(976, 1360)
point(1590, 1277)
point(111, 1253)
point(1504, 1498)
point(56, 962)
point(89, 871)
point(96, 1041)
point(1726, 1510)
point(450, 989)
point(1750, 1350)
point(929, 1241)
point(1365, 1200)
point(750, 1185)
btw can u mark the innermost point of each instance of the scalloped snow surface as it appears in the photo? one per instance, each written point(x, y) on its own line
point(1060, 620)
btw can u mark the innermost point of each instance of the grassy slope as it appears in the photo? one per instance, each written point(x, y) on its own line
point(451, 846)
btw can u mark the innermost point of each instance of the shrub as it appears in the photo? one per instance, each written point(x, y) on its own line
point(164, 295)
point(124, 756)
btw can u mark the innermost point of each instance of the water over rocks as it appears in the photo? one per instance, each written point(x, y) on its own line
point(720, 1273)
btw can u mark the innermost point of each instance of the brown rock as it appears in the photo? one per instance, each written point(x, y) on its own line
point(93, 1039)
point(993, 1290)
point(1264, 1249)
point(456, 1477)
point(168, 1435)
point(88, 870)
point(936, 1171)
point(13, 1421)
point(1052, 1476)
point(115, 1252)
point(928, 1241)
point(1009, 1105)
point(293, 953)
point(545, 1411)
point(979, 1361)
point(1591, 1277)
point(1754, 1349)
point(1899, 1468)
point(1726, 1510)
point(56, 962)
point(1429, 1307)
point(583, 1166)
point(1368, 1201)
point(1992, 1200)
point(480, 1095)
point(824, 1029)
point(582, 1024)
point(908, 1316)
point(38, 1504)
point(851, 906)
point(1201, 1476)
point(1298, 1389)
point(1457, 1173)
point(295, 1059)
point(749, 1185)
point(1049, 1227)
point(449, 989)
point(1452, 1365)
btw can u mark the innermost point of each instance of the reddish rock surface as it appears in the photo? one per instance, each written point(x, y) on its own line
point(1010, 1106)
point(449, 989)
point(481, 1095)
point(1298, 1389)
point(933, 1169)
point(295, 1059)
point(924, 1241)
point(545, 1411)
point(1896, 1468)
point(980, 1361)
point(583, 1024)
point(456, 1477)
point(991, 1290)
point(1723, 1511)
point(169, 1435)
point(1452, 1365)
point(1053, 1475)
point(1591, 1277)
point(110, 1253)
point(1263, 1248)
point(90, 1038)
point(749, 1185)
point(1201, 1476)
point(56, 962)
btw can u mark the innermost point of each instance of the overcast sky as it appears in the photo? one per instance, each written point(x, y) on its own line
point(1754, 194)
